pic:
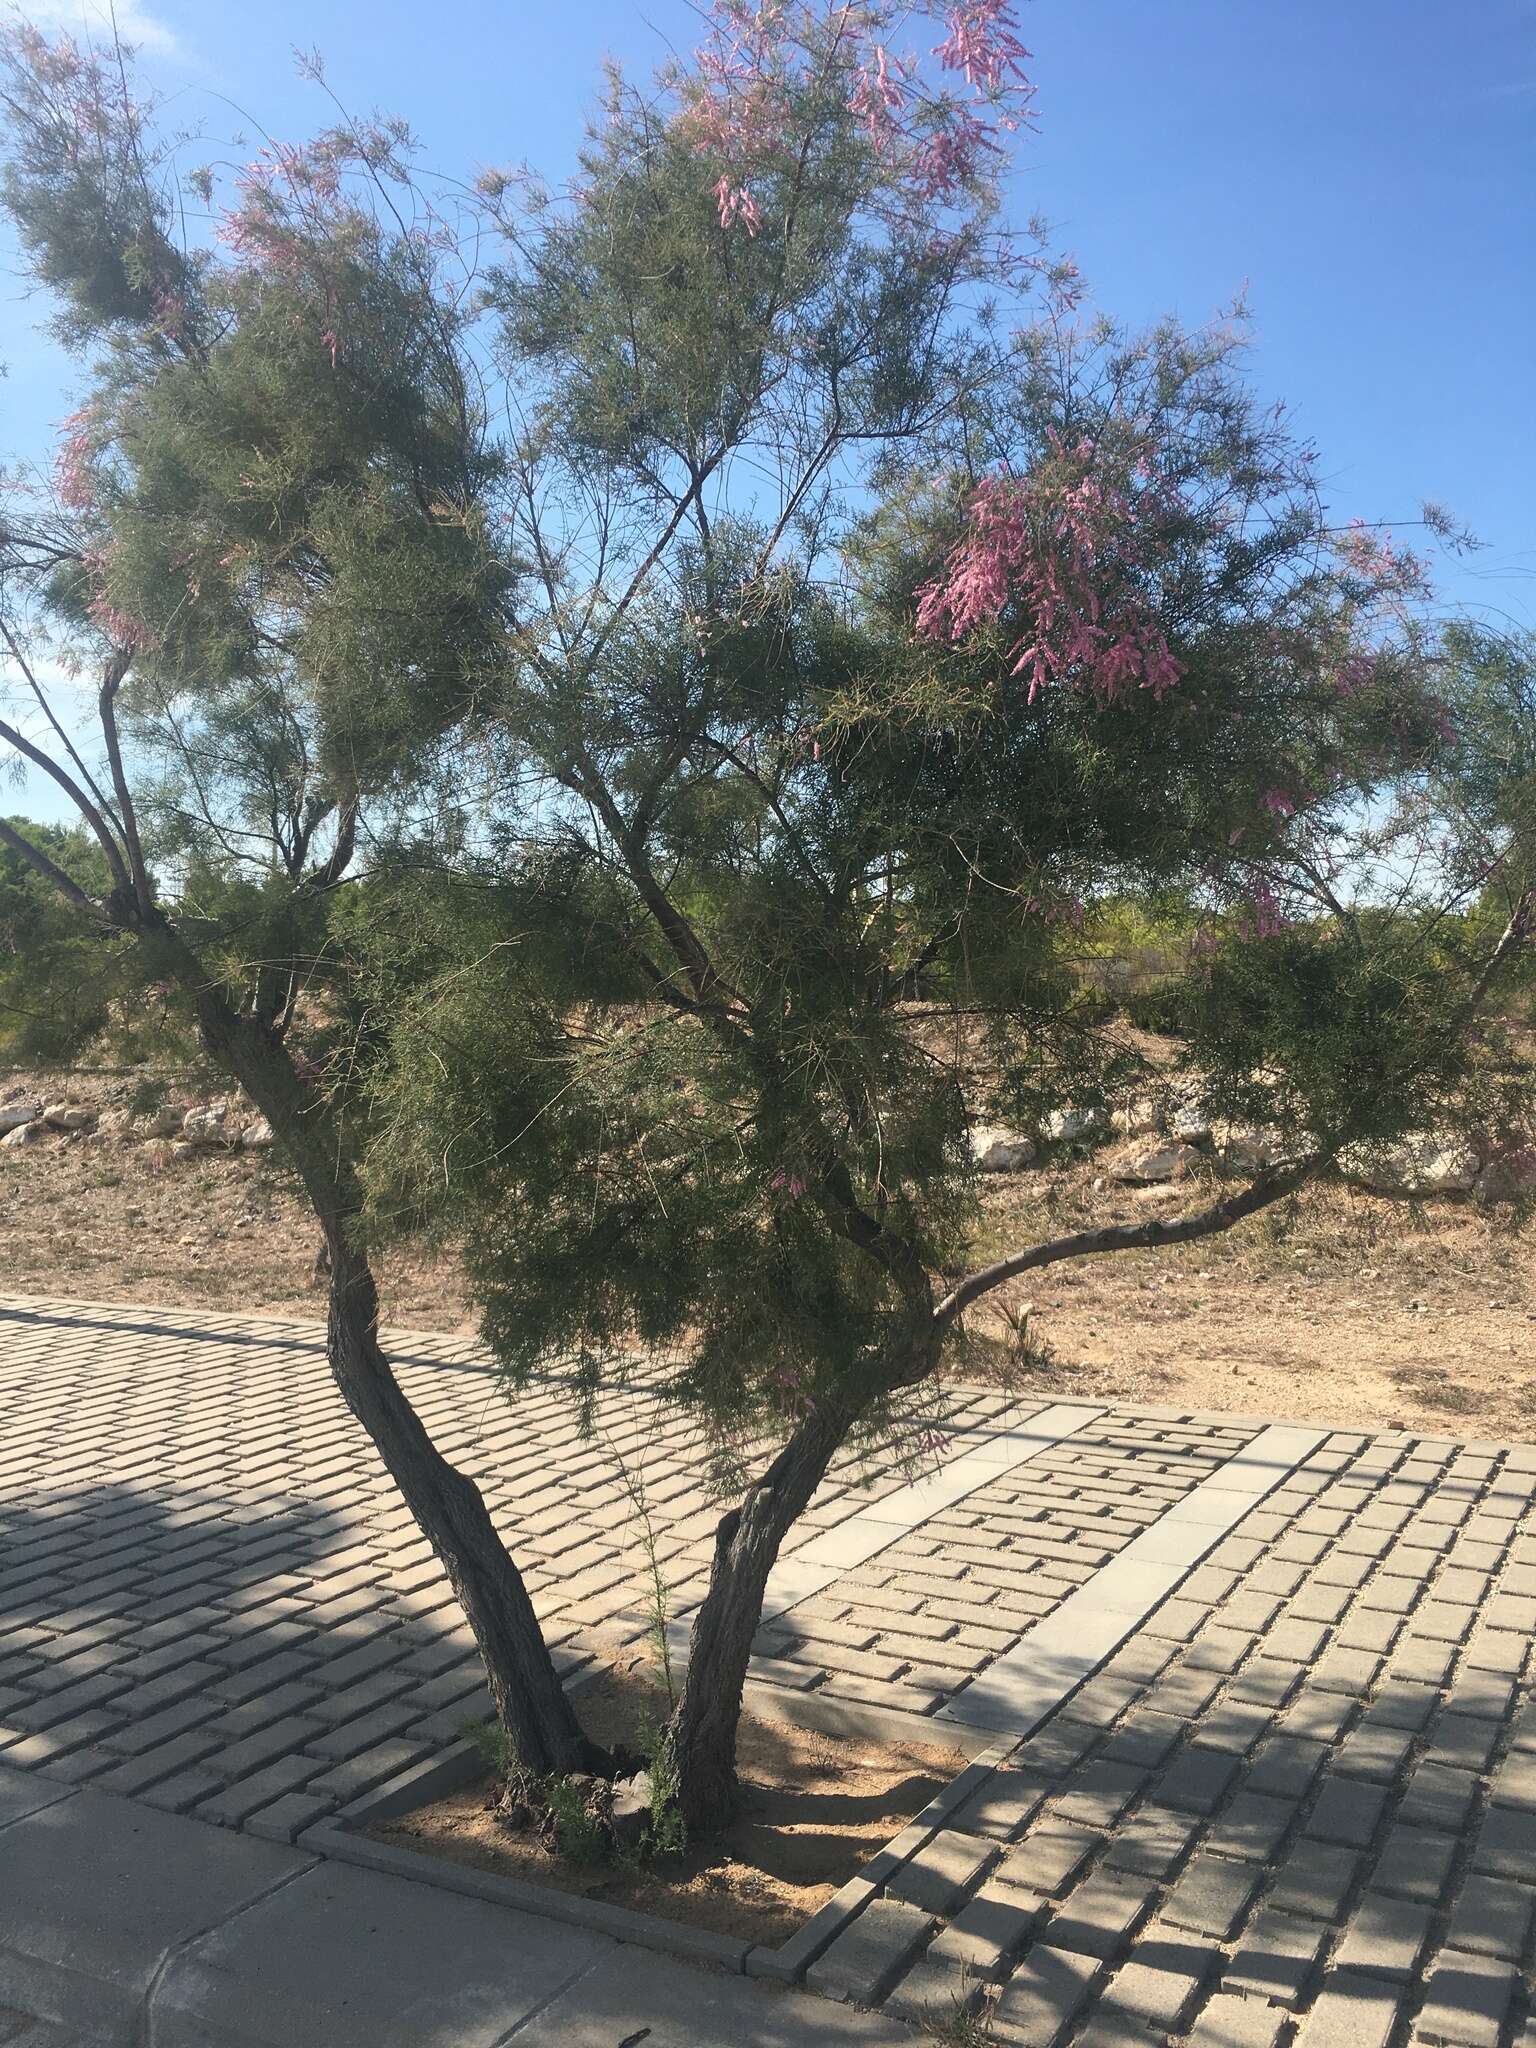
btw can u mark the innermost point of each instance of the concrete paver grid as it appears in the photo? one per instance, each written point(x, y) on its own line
point(1304, 1787)
point(212, 1599)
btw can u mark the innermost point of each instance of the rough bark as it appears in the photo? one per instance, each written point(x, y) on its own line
point(448, 1507)
point(531, 1703)
point(701, 1738)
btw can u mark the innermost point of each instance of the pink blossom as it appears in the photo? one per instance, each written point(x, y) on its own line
point(1264, 918)
point(74, 465)
point(760, 66)
point(982, 44)
point(736, 203)
point(1061, 549)
point(1354, 674)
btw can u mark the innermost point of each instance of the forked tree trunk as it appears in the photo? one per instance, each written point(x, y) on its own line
point(701, 1737)
point(530, 1701)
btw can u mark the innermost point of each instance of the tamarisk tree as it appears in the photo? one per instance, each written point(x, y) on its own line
point(647, 728)
point(869, 637)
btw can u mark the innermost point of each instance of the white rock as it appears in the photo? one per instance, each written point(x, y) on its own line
point(1157, 1159)
point(208, 1125)
point(24, 1134)
point(1252, 1150)
point(1072, 1126)
point(1426, 1163)
point(14, 1114)
point(68, 1116)
point(160, 1123)
point(996, 1150)
point(1191, 1126)
point(1138, 1119)
point(258, 1136)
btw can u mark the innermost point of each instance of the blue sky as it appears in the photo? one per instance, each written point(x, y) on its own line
point(1367, 170)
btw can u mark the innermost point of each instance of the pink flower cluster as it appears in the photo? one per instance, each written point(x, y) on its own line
point(1263, 918)
point(74, 466)
point(1388, 570)
point(1060, 551)
point(128, 634)
point(740, 101)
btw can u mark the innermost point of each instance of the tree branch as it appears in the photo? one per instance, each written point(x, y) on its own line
point(64, 883)
point(1130, 1237)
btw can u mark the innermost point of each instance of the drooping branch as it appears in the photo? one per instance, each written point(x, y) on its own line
point(93, 817)
point(19, 656)
point(66, 884)
point(1131, 1237)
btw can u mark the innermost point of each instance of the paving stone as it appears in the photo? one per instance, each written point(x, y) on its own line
point(1144, 1741)
point(1348, 1811)
point(1465, 1741)
point(1506, 1844)
point(362, 1773)
point(1313, 1880)
point(1252, 1827)
point(1211, 1896)
point(1117, 2030)
point(1237, 2023)
point(1164, 1998)
point(941, 1870)
point(1286, 1766)
point(987, 1931)
point(1491, 1916)
point(1438, 1796)
point(234, 1803)
point(1414, 1864)
point(1466, 2000)
point(1352, 2012)
point(934, 1993)
point(1274, 1956)
point(287, 1818)
point(1098, 1917)
point(1046, 1861)
point(1197, 1780)
point(1385, 1937)
point(1003, 1806)
point(1043, 1997)
point(866, 1957)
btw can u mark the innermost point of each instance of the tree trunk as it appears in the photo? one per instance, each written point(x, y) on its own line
point(530, 1701)
point(701, 1738)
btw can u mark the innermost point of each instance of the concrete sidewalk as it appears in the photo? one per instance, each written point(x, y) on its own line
point(122, 1926)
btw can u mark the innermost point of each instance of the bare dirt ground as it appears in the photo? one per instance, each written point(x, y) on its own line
point(816, 1808)
point(1346, 1307)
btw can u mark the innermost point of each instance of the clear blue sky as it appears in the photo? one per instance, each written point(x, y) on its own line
point(1366, 169)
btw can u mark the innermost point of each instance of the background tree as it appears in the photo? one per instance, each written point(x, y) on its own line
point(261, 542)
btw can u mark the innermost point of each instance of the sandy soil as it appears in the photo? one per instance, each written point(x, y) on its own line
point(1341, 1307)
point(816, 1809)
point(1345, 1307)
